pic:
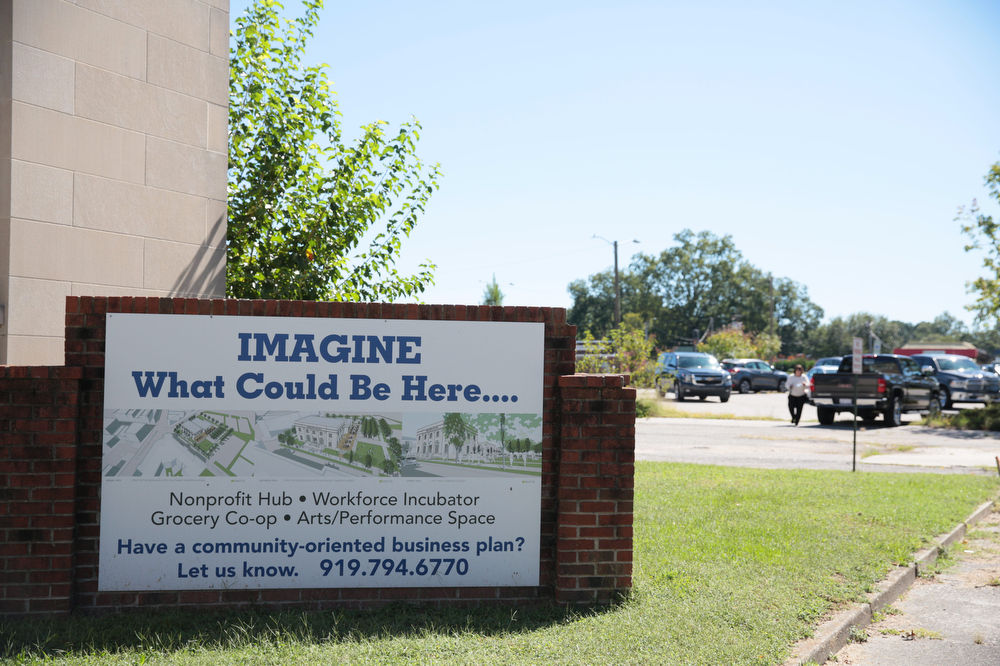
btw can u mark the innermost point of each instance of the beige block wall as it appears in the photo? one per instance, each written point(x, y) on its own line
point(6, 85)
point(112, 158)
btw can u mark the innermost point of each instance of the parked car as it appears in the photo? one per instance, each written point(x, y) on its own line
point(692, 374)
point(889, 384)
point(961, 379)
point(752, 374)
point(991, 368)
point(824, 366)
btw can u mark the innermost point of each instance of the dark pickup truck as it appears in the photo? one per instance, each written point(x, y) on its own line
point(889, 384)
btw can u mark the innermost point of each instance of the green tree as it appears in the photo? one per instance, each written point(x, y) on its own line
point(794, 316)
point(944, 328)
point(508, 446)
point(311, 216)
point(395, 450)
point(701, 284)
point(696, 282)
point(988, 340)
point(456, 431)
point(594, 303)
point(492, 294)
point(729, 343)
point(733, 343)
point(984, 235)
point(626, 350)
point(835, 337)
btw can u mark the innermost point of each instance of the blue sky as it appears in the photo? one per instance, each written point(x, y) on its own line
point(834, 141)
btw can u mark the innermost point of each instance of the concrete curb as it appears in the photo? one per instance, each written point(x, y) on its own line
point(833, 634)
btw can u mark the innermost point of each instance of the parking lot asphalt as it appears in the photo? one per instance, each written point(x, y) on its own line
point(764, 404)
point(753, 430)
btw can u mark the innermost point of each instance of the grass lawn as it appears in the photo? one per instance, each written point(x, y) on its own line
point(732, 566)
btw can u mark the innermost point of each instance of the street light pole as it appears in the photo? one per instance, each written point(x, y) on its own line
point(618, 290)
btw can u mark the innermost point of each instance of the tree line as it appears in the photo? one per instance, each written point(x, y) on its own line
point(703, 285)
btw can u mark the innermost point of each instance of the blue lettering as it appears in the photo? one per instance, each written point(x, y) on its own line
point(382, 347)
point(178, 387)
point(147, 386)
point(406, 345)
point(413, 387)
point(249, 377)
point(274, 346)
point(359, 355)
point(341, 355)
point(360, 388)
point(333, 348)
point(304, 345)
point(244, 346)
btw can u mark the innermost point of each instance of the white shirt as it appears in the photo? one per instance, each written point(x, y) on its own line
point(797, 385)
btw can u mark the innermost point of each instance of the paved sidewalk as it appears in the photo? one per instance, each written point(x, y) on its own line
point(931, 612)
point(952, 617)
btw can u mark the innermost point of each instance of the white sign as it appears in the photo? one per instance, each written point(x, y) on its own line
point(267, 452)
point(857, 355)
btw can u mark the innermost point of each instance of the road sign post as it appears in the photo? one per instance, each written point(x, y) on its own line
point(857, 356)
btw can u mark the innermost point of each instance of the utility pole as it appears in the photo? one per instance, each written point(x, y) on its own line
point(772, 324)
point(618, 289)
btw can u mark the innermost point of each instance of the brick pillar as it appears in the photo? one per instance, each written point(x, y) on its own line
point(38, 415)
point(595, 489)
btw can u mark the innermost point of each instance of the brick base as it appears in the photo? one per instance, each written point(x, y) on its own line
point(50, 465)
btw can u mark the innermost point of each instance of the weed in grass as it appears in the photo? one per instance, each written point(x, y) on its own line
point(944, 561)
point(938, 420)
point(656, 409)
point(928, 633)
point(894, 448)
point(913, 634)
point(886, 611)
point(987, 418)
point(983, 535)
point(644, 408)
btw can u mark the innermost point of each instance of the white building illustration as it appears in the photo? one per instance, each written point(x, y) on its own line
point(320, 433)
point(432, 443)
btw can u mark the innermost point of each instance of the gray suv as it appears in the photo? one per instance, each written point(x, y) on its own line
point(692, 374)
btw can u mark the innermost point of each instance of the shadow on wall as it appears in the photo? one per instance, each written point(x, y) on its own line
point(205, 275)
